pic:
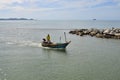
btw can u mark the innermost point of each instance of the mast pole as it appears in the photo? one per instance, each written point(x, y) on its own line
point(65, 37)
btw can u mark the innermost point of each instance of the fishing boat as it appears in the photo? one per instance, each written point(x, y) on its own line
point(55, 45)
point(49, 44)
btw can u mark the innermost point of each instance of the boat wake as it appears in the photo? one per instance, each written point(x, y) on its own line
point(24, 43)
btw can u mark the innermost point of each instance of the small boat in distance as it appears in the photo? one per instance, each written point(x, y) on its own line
point(49, 44)
point(94, 19)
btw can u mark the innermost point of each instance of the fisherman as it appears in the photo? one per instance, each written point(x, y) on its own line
point(48, 38)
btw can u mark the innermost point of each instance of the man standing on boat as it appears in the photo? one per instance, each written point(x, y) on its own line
point(48, 38)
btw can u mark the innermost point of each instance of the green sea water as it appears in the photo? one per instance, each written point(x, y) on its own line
point(85, 58)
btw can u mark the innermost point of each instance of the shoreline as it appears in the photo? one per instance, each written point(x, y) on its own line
point(113, 33)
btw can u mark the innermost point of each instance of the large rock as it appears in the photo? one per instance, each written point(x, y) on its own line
point(98, 35)
point(86, 32)
point(117, 35)
point(108, 36)
point(106, 31)
point(72, 32)
point(93, 33)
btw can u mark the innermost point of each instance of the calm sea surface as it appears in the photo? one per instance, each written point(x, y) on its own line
point(86, 58)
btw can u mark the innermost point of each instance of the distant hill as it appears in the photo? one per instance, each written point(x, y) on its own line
point(15, 19)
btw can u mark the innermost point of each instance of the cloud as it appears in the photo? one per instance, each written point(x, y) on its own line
point(58, 8)
point(117, 2)
point(51, 4)
point(4, 3)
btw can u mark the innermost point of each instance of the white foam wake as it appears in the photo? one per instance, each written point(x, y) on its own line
point(24, 43)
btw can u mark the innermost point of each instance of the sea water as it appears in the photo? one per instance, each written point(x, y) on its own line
point(86, 58)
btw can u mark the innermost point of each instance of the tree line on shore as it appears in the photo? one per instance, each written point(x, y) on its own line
point(15, 19)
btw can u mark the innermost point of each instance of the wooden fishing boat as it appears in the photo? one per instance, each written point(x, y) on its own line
point(55, 45)
point(49, 44)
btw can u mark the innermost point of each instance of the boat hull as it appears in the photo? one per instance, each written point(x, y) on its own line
point(56, 45)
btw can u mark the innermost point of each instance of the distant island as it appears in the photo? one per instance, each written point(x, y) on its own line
point(15, 19)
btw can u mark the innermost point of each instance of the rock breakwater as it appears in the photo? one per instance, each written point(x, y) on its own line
point(113, 33)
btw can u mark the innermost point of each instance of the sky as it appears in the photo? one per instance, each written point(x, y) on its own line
point(61, 9)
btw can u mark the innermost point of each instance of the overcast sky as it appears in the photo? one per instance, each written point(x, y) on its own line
point(61, 9)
